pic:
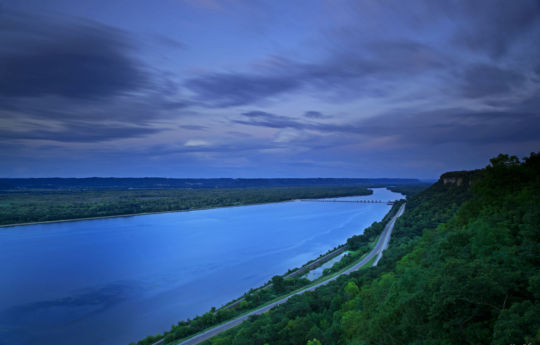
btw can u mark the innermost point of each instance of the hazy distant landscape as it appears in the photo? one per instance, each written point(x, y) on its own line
point(38, 200)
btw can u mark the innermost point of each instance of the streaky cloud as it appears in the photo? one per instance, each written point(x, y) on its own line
point(79, 60)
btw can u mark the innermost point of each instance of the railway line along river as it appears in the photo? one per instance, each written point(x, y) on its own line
point(128, 277)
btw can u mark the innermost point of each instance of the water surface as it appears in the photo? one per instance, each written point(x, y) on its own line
point(317, 272)
point(115, 280)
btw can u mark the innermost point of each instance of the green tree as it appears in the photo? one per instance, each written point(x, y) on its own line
point(278, 284)
point(351, 290)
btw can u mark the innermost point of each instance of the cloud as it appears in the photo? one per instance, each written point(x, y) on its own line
point(168, 41)
point(77, 59)
point(80, 78)
point(421, 82)
point(229, 89)
point(193, 127)
point(482, 80)
point(196, 142)
point(352, 72)
point(417, 128)
point(264, 119)
point(454, 126)
point(485, 27)
point(311, 114)
point(174, 105)
point(494, 26)
point(81, 132)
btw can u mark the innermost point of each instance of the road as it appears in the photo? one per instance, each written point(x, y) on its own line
point(381, 245)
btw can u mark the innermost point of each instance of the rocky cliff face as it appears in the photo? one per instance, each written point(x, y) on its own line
point(458, 181)
point(460, 178)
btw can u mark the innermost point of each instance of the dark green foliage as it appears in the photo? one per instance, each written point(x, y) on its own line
point(357, 241)
point(462, 268)
point(278, 284)
point(37, 206)
point(148, 340)
point(410, 189)
point(358, 245)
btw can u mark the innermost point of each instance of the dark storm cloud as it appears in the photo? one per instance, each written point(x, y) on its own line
point(79, 60)
point(80, 132)
point(482, 80)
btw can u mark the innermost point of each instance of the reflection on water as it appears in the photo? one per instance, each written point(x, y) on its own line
point(116, 280)
point(317, 272)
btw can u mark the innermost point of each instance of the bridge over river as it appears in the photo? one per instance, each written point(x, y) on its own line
point(388, 202)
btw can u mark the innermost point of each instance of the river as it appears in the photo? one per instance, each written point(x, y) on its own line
point(115, 280)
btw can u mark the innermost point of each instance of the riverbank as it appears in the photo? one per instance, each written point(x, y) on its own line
point(368, 260)
point(146, 273)
point(139, 214)
point(31, 208)
point(267, 294)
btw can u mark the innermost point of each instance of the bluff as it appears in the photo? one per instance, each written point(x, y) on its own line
point(460, 178)
point(463, 267)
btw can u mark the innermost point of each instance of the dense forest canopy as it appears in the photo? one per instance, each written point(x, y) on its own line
point(463, 267)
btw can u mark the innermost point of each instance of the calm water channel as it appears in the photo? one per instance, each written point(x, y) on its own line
point(116, 280)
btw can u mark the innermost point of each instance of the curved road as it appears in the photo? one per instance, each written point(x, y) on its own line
point(381, 245)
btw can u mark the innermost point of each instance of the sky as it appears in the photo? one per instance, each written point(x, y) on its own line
point(257, 88)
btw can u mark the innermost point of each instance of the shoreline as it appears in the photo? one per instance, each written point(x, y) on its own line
point(137, 214)
point(370, 259)
point(162, 212)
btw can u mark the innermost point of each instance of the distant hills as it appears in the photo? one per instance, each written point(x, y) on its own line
point(168, 183)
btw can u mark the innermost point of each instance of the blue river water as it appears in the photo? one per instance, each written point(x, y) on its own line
point(115, 280)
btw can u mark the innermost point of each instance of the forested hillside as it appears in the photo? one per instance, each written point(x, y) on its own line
point(462, 268)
